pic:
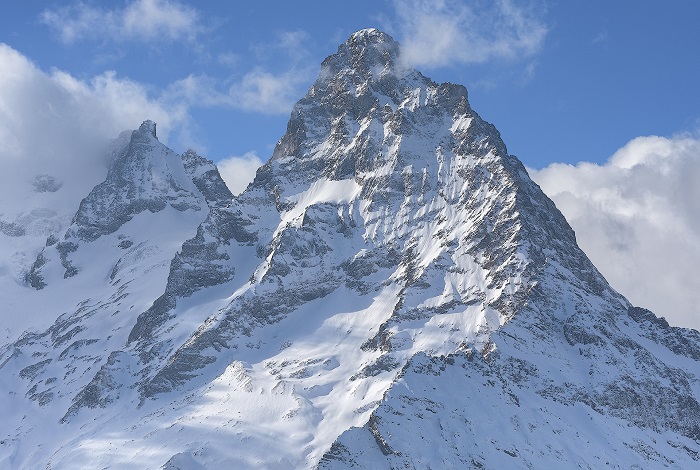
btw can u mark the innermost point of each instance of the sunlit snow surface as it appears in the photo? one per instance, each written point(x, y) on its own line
point(391, 290)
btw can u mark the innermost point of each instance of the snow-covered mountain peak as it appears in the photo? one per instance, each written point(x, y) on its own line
point(370, 34)
point(371, 61)
point(364, 51)
point(148, 127)
point(390, 254)
point(144, 176)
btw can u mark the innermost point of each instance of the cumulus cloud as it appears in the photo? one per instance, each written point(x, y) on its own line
point(55, 124)
point(238, 171)
point(638, 219)
point(442, 32)
point(164, 20)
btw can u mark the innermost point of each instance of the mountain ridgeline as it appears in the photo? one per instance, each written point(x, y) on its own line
point(391, 290)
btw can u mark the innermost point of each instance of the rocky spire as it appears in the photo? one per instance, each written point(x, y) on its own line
point(368, 53)
point(148, 127)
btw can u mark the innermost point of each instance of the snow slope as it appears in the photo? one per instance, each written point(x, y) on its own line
point(391, 290)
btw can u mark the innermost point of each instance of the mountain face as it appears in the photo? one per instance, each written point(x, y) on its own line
point(392, 290)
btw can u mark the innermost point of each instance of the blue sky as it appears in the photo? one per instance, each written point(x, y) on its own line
point(613, 83)
point(595, 75)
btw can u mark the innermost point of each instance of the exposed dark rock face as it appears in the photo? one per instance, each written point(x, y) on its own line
point(144, 176)
point(137, 181)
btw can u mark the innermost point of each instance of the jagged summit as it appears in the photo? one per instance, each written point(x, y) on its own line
point(368, 57)
point(370, 33)
point(374, 58)
point(364, 82)
point(144, 176)
point(368, 51)
point(148, 127)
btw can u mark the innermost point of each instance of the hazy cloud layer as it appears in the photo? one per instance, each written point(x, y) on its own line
point(435, 33)
point(52, 123)
point(266, 92)
point(637, 219)
point(269, 92)
point(238, 171)
point(140, 19)
point(257, 91)
point(260, 89)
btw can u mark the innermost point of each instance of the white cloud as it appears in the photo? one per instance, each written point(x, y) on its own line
point(54, 123)
point(442, 32)
point(164, 20)
point(238, 171)
point(198, 90)
point(638, 219)
point(266, 92)
point(275, 92)
point(600, 37)
point(290, 43)
point(528, 73)
point(257, 91)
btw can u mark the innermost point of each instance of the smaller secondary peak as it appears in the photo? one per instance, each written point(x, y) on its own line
point(149, 127)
